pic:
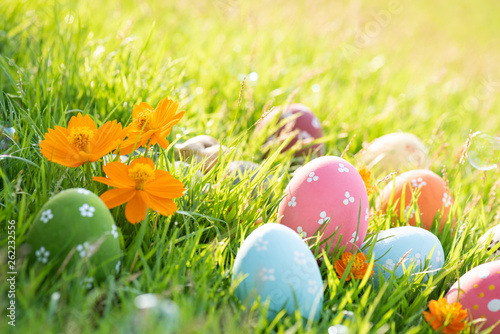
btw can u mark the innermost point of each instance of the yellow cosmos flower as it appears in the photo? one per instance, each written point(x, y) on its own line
point(150, 127)
point(81, 142)
point(141, 186)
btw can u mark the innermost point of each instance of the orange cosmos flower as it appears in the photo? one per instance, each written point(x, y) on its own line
point(149, 126)
point(358, 269)
point(449, 318)
point(367, 176)
point(81, 142)
point(141, 186)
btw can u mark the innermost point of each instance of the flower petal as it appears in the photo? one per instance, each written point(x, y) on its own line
point(165, 186)
point(136, 208)
point(145, 160)
point(79, 120)
point(141, 107)
point(164, 206)
point(107, 138)
point(118, 172)
point(116, 197)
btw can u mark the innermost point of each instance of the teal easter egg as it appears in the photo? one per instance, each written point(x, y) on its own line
point(275, 264)
point(406, 246)
point(74, 226)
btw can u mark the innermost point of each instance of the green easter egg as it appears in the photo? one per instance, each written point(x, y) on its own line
point(77, 221)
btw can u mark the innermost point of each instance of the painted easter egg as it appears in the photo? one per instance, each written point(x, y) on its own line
point(398, 152)
point(327, 190)
point(433, 197)
point(306, 125)
point(408, 245)
point(493, 234)
point(480, 293)
point(78, 221)
point(275, 264)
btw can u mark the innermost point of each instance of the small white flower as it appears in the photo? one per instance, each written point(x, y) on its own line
point(354, 235)
point(300, 258)
point(87, 210)
point(348, 198)
point(322, 217)
point(83, 191)
point(267, 274)
point(117, 267)
point(312, 177)
point(313, 287)
point(114, 231)
point(261, 244)
point(304, 135)
point(292, 202)
point(343, 168)
point(46, 216)
point(446, 200)
point(316, 123)
point(42, 255)
point(303, 234)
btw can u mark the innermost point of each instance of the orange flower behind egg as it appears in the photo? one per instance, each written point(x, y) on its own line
point(433, 197)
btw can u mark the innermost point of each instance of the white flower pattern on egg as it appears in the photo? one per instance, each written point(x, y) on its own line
point(342, 168)
point(114, 231)
point(494, 305)
point(267, 274)
point(418, 183)
point(292, 202)
point(446, 200)
point(348, 198)
point(439, 258)
point(389, 264)
point(302, 233)
point(261, 244)
point(316, 123)
point(484, 274)
point(83, 191)
point(313, 287)
point(85, 249)
point(304, 135)
point(354, 235)
point(46, 216)
point(299, 258)
point(412, 214)
point(312, 177)
point(86, 210)
point(42, 254)
point(322, 216)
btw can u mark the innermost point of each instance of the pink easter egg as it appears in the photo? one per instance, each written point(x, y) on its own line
point(327, 190)
point(480, 294)
point(307, 127)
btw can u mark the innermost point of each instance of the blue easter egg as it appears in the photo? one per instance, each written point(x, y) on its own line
point(418, 244)
point(275, 264)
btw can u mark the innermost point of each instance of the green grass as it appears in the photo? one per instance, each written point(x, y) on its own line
point(430, 69)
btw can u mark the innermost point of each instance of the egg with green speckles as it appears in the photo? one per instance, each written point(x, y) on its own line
point(76, 224)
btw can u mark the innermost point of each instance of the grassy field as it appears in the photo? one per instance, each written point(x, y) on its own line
point(366, 68)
